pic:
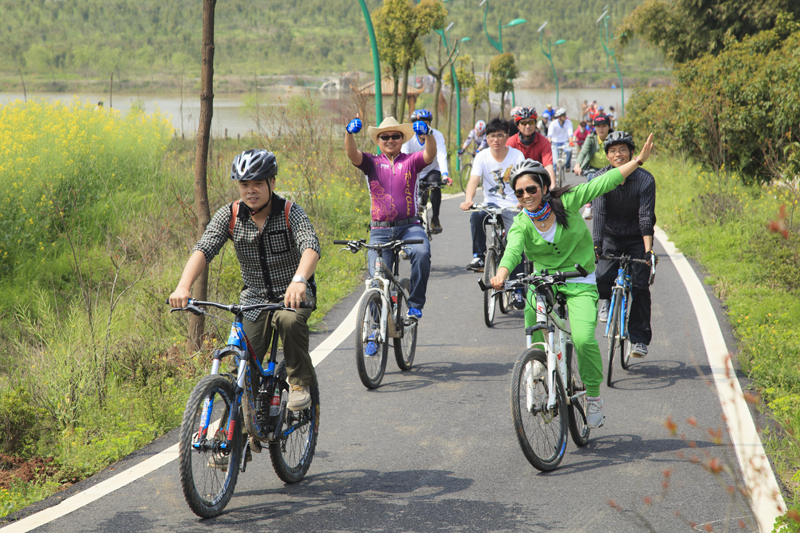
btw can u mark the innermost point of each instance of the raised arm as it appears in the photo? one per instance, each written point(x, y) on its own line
point(353, 153)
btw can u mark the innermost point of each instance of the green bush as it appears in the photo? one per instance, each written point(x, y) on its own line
point(737, 110)
point(20, 422)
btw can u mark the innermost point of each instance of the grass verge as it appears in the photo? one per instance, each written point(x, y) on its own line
point(730, 229)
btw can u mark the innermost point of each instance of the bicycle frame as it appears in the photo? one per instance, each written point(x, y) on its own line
point(554, 346)
point(623, 282)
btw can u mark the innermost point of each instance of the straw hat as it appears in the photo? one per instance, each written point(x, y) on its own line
point(390, 124)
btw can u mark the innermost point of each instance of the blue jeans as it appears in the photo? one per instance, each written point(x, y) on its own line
point(567, 150)
point(419, 254)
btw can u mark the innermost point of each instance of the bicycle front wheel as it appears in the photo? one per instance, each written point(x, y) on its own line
point(208, 468)
point(613, 331)
point(560, 176)
point(371, 346)
point(625, 347)
point(293, 448)
point(489, 301)
point(541, 430)
point(576, 392)
point(406, 346)
point(464, 176)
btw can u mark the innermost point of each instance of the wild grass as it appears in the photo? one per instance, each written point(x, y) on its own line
point(729, 228)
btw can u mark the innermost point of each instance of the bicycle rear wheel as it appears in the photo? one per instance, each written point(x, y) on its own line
point(406, 346)
point(371, 346)
point(208, 473)
point(489, 301)
point(542, 432)
point(464, 176)
point(291, 454)
point(577, 408)
point(613, 331)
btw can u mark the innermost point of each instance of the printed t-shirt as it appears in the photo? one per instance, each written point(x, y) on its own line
point(492, 172)
point(392, 185)
point(599, 159)
point(539, 150)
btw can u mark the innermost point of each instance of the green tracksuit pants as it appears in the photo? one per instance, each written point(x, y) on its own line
point(582, 308)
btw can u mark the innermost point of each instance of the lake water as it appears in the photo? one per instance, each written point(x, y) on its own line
point(230, 115)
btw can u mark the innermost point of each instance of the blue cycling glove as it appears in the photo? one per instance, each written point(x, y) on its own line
point(354, 126)
point(420, 128)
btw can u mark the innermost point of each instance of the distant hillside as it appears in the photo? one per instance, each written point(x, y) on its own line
point(62, 39)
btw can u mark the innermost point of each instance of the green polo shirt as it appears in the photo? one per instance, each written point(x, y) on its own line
point(571, 245)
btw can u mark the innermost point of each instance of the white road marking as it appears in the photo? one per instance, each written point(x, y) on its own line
point(766, 497)
point(163, 458)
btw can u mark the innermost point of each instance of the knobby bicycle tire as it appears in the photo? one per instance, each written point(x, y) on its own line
point(464, 176)
point(613, 332)
point(291, 455)
point(577, 408)
point(405, 347)
point(208, 474)
point(489, 301)
point(370, 367)
point(542, 433)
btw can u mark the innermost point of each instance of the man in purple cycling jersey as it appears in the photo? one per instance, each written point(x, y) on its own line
point(392, 180)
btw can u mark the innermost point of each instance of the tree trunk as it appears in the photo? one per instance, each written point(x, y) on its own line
point(450, 111)
point(403, 93)
point(202, 212)
point(24, 90)
point(502, 104)
point(396, 82)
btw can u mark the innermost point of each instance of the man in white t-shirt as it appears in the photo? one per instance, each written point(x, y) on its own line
point(559, 134)
point(491, 168)
point(437, 171)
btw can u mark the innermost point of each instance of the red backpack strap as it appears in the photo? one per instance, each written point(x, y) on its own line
point(286, 214)
point(234, 213)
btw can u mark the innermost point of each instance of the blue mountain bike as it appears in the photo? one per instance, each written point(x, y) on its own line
point(618, 311)
point(253, 402)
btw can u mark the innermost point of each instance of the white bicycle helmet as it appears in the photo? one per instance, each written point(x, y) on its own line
point(532, 167)
point(254, 165)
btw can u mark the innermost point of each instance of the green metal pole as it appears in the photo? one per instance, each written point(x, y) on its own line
point(549, 57)
point(376, 64)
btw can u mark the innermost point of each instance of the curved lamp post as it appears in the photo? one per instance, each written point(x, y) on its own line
point(499, 43)
point(549, 53)
point(376, 64)
point(605, 41)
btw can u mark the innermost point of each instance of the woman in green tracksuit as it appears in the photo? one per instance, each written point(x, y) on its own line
point(552, 233)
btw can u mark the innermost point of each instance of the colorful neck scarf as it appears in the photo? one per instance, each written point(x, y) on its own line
point(540, 215)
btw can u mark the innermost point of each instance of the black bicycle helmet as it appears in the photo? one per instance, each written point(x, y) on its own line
point(619, 137)
point(254, 165)
point(529, 166)
point(524, 113)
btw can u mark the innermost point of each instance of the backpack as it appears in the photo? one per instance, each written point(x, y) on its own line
point(235, 212)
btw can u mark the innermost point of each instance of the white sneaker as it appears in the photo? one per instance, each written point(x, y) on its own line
point(602, 316)
point(594, 413)
point(299, 398)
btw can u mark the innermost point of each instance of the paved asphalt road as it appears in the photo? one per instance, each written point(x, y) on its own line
point(434, 448)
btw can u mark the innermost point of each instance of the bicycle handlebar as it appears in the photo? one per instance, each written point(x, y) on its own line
point(356, 245)
point(623, 259)
point(193, 307)
point(539, 279)
point(490, 209)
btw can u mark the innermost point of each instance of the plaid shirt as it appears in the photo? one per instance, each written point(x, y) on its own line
point(268, 259)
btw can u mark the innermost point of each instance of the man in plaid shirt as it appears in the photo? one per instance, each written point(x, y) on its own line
point(277, 261)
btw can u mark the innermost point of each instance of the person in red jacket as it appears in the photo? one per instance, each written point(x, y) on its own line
point(530, 141)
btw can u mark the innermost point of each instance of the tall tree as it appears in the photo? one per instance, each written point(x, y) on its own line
point(438, 74)
point(503, 70)
point(201, 209)
point(398, 27)
point(686, 29)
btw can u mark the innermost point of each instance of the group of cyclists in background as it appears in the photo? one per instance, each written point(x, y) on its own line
point(278, 249)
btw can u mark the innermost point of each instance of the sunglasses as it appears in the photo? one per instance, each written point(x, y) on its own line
point(395, 137)
point(527, 123)
point(530, 189)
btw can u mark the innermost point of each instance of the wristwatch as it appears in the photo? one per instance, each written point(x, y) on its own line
point(299, 279)
point(639, 161)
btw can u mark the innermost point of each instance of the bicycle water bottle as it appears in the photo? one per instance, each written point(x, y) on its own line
point(518, 299)
point(275, 404)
